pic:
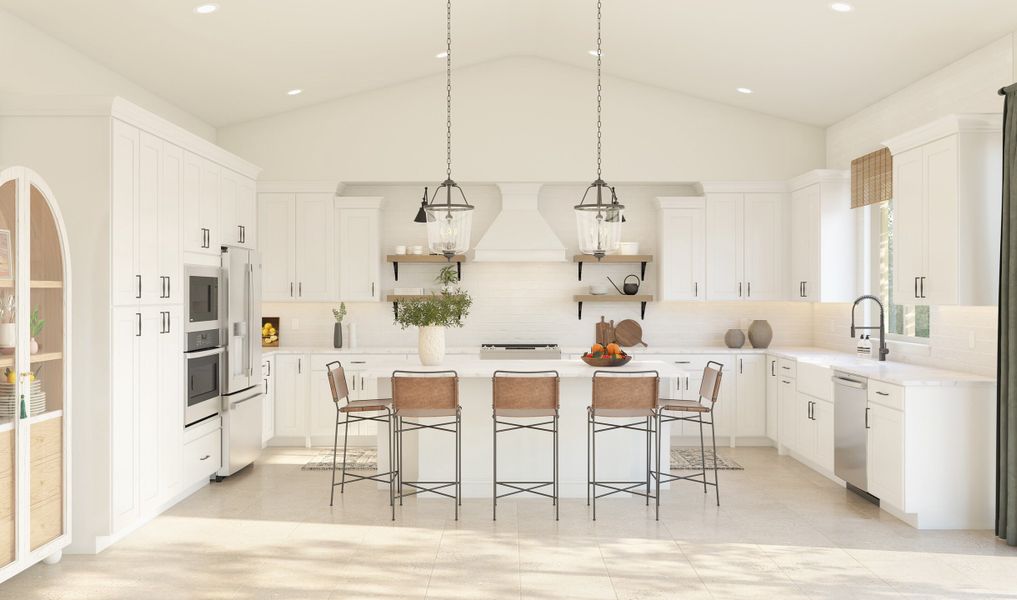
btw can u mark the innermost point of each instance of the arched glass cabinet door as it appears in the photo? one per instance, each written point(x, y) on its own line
point(9, 365)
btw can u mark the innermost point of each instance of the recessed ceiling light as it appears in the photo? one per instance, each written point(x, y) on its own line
point(842, 7)
point(294, 92)
point(594, 52)
point(206, 9)
point(441, 55)
point(743, 90)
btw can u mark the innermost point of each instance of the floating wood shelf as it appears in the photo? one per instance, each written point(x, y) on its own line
point(395, 299)
point(9, 284)
point(395, 259)
point(642, 299)
point(642, 259)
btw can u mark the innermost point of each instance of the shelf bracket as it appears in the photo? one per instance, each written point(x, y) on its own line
point(459, 270)
point(580, 303)
point(642, 271)
point(642, 310)
point(395, 309)
point(395, 269)
point(580, 265)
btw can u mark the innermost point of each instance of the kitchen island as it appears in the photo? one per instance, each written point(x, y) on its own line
point(523, 454)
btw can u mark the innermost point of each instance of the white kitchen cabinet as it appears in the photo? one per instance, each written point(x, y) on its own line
point(201, 224)
point(171, 375)
point(321, 410)
point(291, 399)
point(126, 325)
point(238, 212)
point(885, 453)
point(788, 414)
point(823, 420)
point(682, 243)
point(946, 202)
point(823, 231)
point(359, 248)
point(815, 430)
point(298, 246)
point(268, 406)
point(772, 398)
point(751, 403)
point(745, 238)
point(145, 213)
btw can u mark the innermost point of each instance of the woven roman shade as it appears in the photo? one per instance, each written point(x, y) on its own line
point(872, 178)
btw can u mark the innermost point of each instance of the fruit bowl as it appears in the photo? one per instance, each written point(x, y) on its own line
point(606, 361)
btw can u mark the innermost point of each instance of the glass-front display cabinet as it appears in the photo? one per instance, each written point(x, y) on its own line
point(34, 405)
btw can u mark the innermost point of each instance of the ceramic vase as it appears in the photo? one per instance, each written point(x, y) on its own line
point(34, 347)
point(760, 334)
point(734, 338)
point(431, 345)
point(8, 335)
point(337, 335)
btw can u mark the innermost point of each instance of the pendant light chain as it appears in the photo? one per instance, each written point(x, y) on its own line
point(448, 91)
point(598, 90)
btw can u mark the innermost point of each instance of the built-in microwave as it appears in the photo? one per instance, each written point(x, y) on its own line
point(202, 298)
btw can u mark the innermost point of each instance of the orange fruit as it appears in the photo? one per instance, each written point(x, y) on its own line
point(596, 348)
point(613, 348)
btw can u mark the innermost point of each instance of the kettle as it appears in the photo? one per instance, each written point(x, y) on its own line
point(629, 289)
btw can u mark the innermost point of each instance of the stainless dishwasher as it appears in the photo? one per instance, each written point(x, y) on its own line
point(850, 420)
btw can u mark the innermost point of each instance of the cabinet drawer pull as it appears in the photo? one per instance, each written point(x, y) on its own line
point(749, 286)
point(773, 368)
point(739, 289)
point(882, 394)
point(139, 325)
point(922, 286)
point(139, 286)
point(867, 418)
point(696, 287)
point(206, 457)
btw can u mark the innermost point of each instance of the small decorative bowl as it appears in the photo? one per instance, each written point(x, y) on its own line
point(606, 362)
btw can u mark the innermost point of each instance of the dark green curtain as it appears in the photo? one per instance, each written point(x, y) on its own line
point(1006, 438)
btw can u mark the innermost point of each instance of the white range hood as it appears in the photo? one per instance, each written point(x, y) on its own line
point(519, 233)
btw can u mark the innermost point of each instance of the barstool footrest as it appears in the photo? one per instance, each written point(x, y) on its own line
point(532, 489)
point(423, 487)
point(612, 485)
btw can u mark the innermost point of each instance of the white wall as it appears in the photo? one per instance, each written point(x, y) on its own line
point(37, 64)
point(524, 119)
point(962, 337)
point(532, 302)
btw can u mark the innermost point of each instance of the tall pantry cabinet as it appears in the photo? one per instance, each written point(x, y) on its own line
point(35, 408)
point(141, 198)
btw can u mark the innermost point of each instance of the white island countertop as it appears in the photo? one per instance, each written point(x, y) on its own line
point(473, 367)
point(894, 372)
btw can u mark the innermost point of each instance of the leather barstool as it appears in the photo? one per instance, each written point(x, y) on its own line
point(420, 395)
point(518, 397)
point(693, 412)
point(624, 395)
point(357, 411)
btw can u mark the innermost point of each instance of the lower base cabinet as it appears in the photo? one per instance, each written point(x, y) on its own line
point(202, 455)
point(787, 400)
point(885, 454)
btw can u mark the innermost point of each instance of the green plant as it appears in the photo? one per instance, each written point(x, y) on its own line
point(442, 310)
point(447, 276)
point(36, 323)
point(339, 313)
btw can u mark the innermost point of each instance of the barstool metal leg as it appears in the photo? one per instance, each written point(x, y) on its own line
point(391, 463)
point(716, 481)
point(456, 499)
point(648, 437)
point(494, 469)
point(335, 449)
point(587, 458)
point(555, 474)
point(399, 458)
point(346, 440)
point(593, 452)
point(702, 450)
point(657, 433)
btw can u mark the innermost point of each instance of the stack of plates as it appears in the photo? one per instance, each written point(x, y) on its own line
point(9, 402)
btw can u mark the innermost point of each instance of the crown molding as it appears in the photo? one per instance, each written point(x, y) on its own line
point(944, 127)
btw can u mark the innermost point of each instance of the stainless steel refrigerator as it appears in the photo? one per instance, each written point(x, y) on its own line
point(242, 392)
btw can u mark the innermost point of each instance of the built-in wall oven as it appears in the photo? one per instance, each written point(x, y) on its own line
point(204, 376)
point(202, 299)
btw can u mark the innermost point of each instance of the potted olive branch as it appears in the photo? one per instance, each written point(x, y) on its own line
point(433, 314)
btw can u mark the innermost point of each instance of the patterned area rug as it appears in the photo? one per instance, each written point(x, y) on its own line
point(364, 459)
point(689, 459)
point(357, 459)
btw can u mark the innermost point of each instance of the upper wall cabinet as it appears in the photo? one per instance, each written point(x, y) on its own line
point(238, 213)
point(316, 247)
point(146, 203)
point(201, 205)
point(682, 243)
point(822, 238)
point(946, 203)
point(745, 240)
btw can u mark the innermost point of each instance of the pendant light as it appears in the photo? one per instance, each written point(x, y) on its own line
point(449, 219)
point(599, 224)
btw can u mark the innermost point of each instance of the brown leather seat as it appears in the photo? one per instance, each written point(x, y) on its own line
point(682, 406)
point(374, 404)
point(425, 395)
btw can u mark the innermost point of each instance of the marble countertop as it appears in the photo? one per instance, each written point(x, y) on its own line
point(471, 367)
point(893, 372)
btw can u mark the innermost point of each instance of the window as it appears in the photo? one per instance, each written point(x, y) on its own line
point(903, 321)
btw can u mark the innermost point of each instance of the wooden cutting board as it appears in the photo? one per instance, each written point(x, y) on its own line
point(604, 332)
point(629, 333)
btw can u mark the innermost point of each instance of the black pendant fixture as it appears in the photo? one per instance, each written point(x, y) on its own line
point(599, 224)
point(421, 215)
point(450, 219)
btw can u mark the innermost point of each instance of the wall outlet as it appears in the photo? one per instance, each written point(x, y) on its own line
point(971, 340)
point(295, 324)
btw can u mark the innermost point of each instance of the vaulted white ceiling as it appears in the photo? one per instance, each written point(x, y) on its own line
point(804, 61)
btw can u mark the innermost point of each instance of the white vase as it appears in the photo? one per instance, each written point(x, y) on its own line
point(8, 334)
point(431, 345)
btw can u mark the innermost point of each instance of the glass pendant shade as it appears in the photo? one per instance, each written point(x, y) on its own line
point(449, 225)
point(599, 225)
